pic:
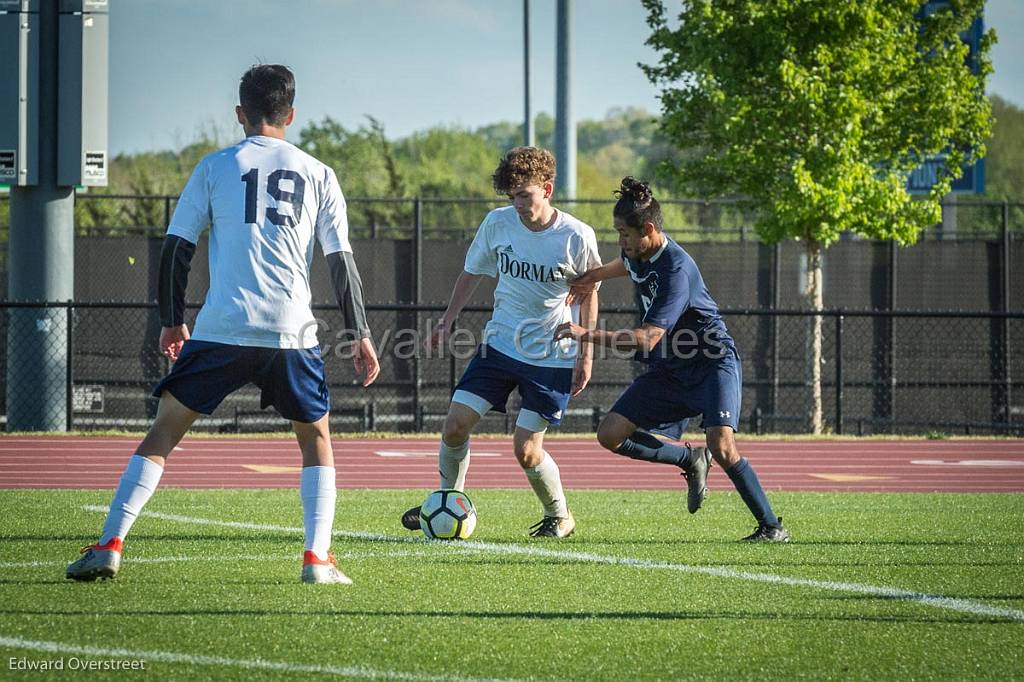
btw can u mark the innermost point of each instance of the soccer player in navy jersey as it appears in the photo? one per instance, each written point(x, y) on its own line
point(693, 365)
point(266, 200)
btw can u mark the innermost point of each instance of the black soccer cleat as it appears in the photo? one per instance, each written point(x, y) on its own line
point(554, 527)
point(766, 533)
point(696, 474)
point(411, 519)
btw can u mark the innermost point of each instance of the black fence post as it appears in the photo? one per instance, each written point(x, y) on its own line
point(890, 351)
point(167, 212)
point(69, 371)
point(839, 374)
point(776, 304)
point(1005, 300)
point(417, 283)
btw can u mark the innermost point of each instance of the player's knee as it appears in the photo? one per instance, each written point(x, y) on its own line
point(456, 431)
point(528, 454)
point(723, 449)
point(528, 447)
point(609, 436)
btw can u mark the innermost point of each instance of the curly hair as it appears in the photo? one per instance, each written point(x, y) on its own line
point(637, 205)
point(523, 166)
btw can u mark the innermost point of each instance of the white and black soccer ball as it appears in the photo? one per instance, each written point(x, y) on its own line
point(448, 515)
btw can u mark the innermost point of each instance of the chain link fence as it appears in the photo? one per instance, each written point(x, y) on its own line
point(696, 220)
point(882, 372)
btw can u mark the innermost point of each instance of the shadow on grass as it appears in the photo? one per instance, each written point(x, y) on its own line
point(524, 615)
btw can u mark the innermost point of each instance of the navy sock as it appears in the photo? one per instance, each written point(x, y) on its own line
point(642, 445)
point(749, 487)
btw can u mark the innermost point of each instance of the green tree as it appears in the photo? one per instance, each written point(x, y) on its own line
point(815, 111)
point(364, 162)
point(1004, 170)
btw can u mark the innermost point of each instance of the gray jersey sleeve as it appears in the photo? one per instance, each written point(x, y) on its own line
point(348, 289)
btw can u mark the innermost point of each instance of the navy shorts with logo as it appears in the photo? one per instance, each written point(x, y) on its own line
point(493, 376)
point(292, 380)
point(664, 398)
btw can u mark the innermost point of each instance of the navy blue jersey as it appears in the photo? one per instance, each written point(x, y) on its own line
point(671, 294)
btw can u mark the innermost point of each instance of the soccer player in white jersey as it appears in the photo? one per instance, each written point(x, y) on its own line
point(267, 200)
point(533, 249)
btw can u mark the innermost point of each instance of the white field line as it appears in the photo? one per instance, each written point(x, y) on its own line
point(233, 558)
point(937, 601)
point(357, 671)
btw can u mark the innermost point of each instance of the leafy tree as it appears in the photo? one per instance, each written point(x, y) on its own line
point(1004, 171)
point(816, 111)
point(364, 162)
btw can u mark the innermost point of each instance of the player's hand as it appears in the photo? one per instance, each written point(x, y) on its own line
point(439, 334)
point(578, 292)
point(171, 341)
point(569, 330)
point(581, 373)
point(365, 361)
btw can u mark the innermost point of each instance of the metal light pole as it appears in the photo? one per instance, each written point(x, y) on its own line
point(528, 133)
point(53, 139)
point(565, 124)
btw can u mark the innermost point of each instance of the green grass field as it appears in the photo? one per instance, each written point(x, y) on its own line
point(643, 591)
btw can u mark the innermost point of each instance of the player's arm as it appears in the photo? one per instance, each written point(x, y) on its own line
point(585, 352)
point(643, 338)
point(191, 217)
point(465, 285)
point(588, 280)
point(175, 264)
point(348, 291)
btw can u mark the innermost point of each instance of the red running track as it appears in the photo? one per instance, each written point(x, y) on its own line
point(919, 466)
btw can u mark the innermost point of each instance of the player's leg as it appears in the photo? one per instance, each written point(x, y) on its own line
point(722, 443)
point(319, 493)
point(545, 393)
point(295, 383)
point(720, 392)
point(138, 483)
point(546, 480)
point(654, 400)
point(651, 400)
point(484, 385)
point(453, 453)
point(198, 381)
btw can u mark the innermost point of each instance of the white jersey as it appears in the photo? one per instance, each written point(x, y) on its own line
point(533, 269)
point(265, 198)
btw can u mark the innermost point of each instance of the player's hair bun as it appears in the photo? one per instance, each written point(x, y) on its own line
point(636, 191)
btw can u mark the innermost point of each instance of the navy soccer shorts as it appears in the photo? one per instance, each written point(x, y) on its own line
point(664, 399)
point(492, 376)
point(292, 380)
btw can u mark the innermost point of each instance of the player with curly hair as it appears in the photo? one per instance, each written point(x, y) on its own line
point(533, 249)
point(693, 365)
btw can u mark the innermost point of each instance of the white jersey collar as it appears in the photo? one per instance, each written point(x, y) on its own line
point(660, 251)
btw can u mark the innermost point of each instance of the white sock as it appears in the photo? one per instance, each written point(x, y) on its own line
point(452, 464)
point(138, 482)
point(319, 493)
point(547, 483)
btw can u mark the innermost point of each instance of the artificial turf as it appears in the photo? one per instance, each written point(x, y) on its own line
point(642, 591)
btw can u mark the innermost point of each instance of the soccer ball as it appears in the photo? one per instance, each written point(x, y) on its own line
point(447, 515)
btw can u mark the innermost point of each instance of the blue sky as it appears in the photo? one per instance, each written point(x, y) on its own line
point(412, 64)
